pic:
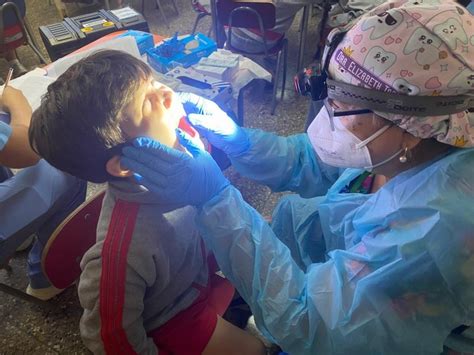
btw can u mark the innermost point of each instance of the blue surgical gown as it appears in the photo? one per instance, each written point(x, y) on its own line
point(346, 273)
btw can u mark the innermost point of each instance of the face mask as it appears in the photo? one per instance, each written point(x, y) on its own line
point(337, 146)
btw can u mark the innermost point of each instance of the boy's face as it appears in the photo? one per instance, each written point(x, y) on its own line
point(154, 112)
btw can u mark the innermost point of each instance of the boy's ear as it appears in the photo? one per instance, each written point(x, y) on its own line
point(114, 168)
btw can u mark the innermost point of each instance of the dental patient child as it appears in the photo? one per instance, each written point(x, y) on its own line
point(146, 285)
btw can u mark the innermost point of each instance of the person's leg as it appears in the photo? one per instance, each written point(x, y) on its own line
point(226, 338)
point(296, 223)
point(73, 194)
point(22, 204)
point(230, 340)
point(27, 199)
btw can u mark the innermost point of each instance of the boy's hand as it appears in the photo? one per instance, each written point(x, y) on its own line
point(17, 153)
point(13, 99)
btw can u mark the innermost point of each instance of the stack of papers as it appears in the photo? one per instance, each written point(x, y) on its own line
point(219, 65)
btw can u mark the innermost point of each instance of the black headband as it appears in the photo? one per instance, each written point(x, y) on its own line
point(396, 103)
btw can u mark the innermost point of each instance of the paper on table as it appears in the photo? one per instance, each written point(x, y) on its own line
point(245, 71)
point(125, 44)
point(34, 88)
point(33, 85)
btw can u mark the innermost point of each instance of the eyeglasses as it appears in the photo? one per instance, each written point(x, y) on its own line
point(336, 111)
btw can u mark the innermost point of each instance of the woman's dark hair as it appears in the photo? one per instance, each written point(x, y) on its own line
point(78, 122)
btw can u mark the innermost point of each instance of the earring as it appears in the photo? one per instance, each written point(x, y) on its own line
point(403, 158)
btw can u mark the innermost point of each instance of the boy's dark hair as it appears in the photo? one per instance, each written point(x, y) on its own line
point(79, 119)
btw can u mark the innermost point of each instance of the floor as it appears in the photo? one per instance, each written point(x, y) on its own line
point(29, 329)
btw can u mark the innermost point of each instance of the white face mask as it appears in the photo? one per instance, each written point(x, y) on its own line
point(340, 147)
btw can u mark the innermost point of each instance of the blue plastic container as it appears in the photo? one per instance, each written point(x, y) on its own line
point(184, 52)
point(144, 40)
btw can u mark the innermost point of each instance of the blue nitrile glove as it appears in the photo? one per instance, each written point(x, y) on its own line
point(176, 177)
point(214, 124)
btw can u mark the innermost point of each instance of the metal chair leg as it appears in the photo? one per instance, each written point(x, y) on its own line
point(175, 7)
point(61, 8)
point(24, 296)
point(285, 65)
point(198, 18)
point(240, 107)
point(209, 32)
point(160, 8)
point(30, 32)
point(276, 77)
point(30, 39)
point(38, 53)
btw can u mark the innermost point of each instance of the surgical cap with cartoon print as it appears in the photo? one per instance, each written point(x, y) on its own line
point(417, 47)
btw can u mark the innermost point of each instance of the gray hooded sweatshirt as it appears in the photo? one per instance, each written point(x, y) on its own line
point(159, 264)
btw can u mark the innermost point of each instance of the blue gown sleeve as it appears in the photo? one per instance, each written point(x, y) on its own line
point(404, 285)
point(5, 133)
point(285, 163)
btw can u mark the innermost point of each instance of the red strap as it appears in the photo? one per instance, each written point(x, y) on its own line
point(112, 280)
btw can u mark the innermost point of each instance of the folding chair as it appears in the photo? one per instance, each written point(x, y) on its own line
point(258, 16)
point(62, 254)
point(8, 35)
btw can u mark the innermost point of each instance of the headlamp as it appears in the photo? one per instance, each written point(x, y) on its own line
point(315, 81)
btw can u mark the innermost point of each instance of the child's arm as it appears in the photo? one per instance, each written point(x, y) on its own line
point(112, 322)
point(17, 152)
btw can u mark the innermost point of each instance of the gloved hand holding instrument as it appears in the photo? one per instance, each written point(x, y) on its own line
point(214, 124)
